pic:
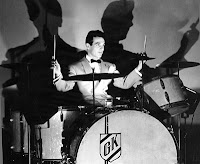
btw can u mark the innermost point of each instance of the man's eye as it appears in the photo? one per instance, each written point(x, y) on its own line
point(99, 45)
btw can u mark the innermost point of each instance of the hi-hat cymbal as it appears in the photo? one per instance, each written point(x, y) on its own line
point(142, 58)
point(96, 76)
point(178, 64)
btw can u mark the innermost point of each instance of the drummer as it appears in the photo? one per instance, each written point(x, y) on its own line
point(92, 63)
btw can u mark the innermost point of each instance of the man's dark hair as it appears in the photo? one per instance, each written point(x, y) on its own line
point(92, 34)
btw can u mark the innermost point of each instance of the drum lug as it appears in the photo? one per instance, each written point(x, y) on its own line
point(67, 159)
point(171, 130)
point(145, 111)
point(80, 129)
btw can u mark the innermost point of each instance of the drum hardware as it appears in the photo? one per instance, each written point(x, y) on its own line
point(145, 111)
point(171, 131)
point(140, 88)
point(61, 113)
point(142, 57)
point(93, 93)
point(95, 76)
point(109, 103)
point(193, 100)
point(185, 116)
point(168, 94)
point(178, 65)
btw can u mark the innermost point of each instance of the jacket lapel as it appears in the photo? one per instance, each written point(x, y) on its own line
point(86, 66)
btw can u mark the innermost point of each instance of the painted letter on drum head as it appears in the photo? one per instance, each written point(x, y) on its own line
point(110, 146)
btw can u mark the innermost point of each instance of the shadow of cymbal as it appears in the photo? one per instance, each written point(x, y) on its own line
point(178, 64)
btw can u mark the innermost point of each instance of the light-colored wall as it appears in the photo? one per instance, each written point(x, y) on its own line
point(163, 22)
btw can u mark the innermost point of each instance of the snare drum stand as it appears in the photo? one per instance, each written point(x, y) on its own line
point(179, 139)
point(179, 126)
point(185, 116)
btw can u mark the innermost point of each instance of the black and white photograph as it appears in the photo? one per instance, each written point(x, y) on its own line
point(99, 82)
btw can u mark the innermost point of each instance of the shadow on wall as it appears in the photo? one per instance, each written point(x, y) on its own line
point(30, 63)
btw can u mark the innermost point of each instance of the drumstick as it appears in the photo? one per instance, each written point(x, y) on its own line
point(145, 41)
point(54, 47)
point(54, 54)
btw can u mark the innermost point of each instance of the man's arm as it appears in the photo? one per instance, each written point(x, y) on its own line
point(133, 79)
point(63, 85)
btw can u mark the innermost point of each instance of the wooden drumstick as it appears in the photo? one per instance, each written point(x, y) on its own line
point(145, 41)
point(54, 54)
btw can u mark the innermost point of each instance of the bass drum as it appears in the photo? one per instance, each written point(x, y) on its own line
point(121, 137)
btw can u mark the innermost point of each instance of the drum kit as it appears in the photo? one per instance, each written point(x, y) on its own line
point(127, 134)
point(121, 133)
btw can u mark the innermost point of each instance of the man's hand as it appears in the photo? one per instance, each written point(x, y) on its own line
point(112, 69)
point(56, 67)
point(139, 67)
point(57, 75)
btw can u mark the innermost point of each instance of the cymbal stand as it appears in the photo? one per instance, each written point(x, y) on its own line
point(29, 128)
point(178, 68)
point(142, 88)
point(54, 55)
point(93, 90)
point(179, 125)
point(179, 138)
point(185, 116)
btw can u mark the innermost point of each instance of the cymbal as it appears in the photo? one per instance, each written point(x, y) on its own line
point(178, 64)
point(142, 58)
point(97, 76)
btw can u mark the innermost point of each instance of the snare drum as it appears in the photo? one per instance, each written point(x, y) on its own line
point(167, 92)
point(51, 132)
point(123, 137)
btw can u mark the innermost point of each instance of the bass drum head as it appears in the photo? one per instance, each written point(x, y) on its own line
point(126, 137)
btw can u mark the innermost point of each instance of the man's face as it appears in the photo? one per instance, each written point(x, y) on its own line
point(95, 51)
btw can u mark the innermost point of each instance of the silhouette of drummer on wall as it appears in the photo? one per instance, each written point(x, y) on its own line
point(116, 22)
point(32, 63)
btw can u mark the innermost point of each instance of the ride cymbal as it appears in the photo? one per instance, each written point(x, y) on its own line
point(96, 76)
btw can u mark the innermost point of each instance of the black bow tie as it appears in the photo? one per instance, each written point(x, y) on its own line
point(98, 61)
